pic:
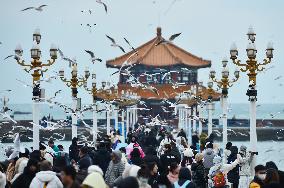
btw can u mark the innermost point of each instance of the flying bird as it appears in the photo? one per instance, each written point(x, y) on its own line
point(131, 46)
point(100, 2)
point(114, 44)
point(163, 41)
point(71, 61)
point(14, 56)
point(93, 57)
point(278, 77)
point(35, 8)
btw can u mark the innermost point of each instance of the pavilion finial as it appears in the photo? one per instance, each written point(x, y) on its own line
point(159, 31)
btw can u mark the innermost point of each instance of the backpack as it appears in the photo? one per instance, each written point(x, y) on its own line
point(176, 185)
point(219, 180)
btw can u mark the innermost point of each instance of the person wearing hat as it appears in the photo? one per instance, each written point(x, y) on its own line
point(245, 159)
point(115, 168)
point(198, 172)
point(94, 180)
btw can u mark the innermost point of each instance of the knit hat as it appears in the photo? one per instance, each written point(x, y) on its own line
point(95, 168)
point(95, 180)
point(2, 180)
point(243, 148)
point(118, 154)
point(217, 160)
point(188, 152)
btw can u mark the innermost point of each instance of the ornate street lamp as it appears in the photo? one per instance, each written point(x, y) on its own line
point(224, 83)
point(37, 67)
point(252, 67)
point(74, 83)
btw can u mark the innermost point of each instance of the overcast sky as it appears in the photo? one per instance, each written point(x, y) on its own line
point(208, 28)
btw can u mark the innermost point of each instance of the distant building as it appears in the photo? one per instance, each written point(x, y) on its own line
point(150, 67)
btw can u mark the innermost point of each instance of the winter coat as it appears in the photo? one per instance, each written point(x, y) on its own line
point(153, 181)
point(44, 177)
point(234, 174)
point(74, 152)
point(102, 159)
point(85, 162)
point(113, 172)
point(281, 178)
point(208, 158)
point(245, 162)
point(198, 175)
point(166, 159)
point(136, 161)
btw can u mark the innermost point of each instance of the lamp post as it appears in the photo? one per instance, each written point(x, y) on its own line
point(224, 83)
point(252, 67)
point(37, 67)
point(93, 91)
point(210, 106)
point(74, 83)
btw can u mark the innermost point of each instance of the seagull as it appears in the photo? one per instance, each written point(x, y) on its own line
point(71, 61)
point(14, 56)
point(114, 43)
point(131, 46)
point(170, 39)
point(93, 58)
point(278, 77)
point(7, 116)
point(35, 8)
point(100, 2)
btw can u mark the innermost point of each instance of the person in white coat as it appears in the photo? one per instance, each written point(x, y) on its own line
point(245, 158)
point(46, 178)
point(219, 166)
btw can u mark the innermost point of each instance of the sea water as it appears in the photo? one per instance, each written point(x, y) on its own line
point(239, 111)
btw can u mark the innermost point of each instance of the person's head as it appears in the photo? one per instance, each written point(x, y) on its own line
point(24, 153)
point(36, 155)
point(68, 175)
point(135, 153)
point(128, 182)
point(174, 168)
point(74, 141)
point(199, 157)
point(143, 174)
point(95, 168)
point(184, 174)
point(45, 166)
point(133, 139)
point(209, 145)
point(271, 164)
point(260, 172)
point(153, 168)
point(167, 147)
point(229, 145)
point(60, 147)
point(83, 151)
point(271, 176)
point(234, 150)
point(51, 143)
point(116, 156)
point(243, 150)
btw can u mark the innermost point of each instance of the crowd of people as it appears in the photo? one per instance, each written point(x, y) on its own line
point(150, 158)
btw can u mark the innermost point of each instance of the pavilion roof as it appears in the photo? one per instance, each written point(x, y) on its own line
point(162, 55)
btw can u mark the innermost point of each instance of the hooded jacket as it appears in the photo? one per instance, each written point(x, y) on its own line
point(48, 177)
point(208, 158)
point(115, 169)
point(198, 175)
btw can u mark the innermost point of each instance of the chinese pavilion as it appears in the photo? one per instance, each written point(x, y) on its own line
point(167, 67)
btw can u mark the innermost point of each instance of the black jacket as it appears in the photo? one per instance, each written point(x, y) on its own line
point(102, 159)
point(198, 175)
point(85, 162)
point(153, 181)
point(281, 178)
point(74, 152)
point(24, 180)
point(166, 159)
point(233, 175)
point(136, 161)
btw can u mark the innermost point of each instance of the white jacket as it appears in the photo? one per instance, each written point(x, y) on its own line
point(46, 176)
point(245, 162)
